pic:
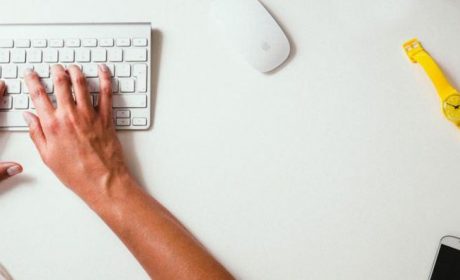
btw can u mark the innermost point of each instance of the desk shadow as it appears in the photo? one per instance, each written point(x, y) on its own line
point(127, 137)
point(293, 52)
point(454, 80)
point(14, 182)
point(157, 44)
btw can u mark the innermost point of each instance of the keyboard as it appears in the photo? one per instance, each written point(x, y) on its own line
point(124, 47)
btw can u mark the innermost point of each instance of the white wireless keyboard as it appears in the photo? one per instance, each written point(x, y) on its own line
point(124, 48)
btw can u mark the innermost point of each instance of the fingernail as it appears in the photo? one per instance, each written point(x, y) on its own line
point(27, 118)
point(27, 71)
point(13, 170)
point(103, 68)
point(2, 82)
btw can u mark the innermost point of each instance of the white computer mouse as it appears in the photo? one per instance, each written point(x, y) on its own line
point(250, 28)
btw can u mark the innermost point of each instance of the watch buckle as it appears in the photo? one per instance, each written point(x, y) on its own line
point(413, 47)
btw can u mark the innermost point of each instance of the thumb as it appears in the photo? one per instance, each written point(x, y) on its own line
point(9, 169)
point(35, 130)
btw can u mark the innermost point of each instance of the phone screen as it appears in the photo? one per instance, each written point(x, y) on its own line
point(447, 266)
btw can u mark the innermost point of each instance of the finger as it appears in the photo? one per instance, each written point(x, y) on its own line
point(105, 96)
point(35, 131)
point(2, 88)
point(80, 88)
point(38, 94)
point(9, 169)
point(62, 88)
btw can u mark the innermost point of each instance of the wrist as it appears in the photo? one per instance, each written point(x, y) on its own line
point(110, 190)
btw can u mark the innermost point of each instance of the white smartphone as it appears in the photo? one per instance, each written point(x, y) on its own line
point(447, 263)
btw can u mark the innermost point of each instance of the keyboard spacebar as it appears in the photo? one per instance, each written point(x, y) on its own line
point(12, 119)
point(129, 101)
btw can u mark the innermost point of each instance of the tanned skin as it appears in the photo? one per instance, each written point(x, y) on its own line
point(79, 144)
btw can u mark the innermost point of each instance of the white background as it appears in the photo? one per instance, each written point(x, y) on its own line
point(338, 166)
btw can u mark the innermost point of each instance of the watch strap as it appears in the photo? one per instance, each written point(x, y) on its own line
point(418, 54)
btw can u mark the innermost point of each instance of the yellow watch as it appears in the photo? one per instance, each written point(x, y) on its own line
point(450, 97)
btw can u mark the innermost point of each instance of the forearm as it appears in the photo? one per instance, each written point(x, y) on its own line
point(156, 238)
point(80, 145)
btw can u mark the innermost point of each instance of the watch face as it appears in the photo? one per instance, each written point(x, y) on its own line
point(452, 107)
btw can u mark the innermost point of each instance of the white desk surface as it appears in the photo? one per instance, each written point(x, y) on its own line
point(339, 166)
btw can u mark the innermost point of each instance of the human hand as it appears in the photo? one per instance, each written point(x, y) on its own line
point(7, 169)
point(76, 141)
point(80, 146)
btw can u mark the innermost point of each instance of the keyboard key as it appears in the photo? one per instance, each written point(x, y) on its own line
point(74, 64)
point(39, 43)
point(72, 43)
point(21, 102)
point(66, 55)
point(18, 56)
point(22, 68)
point(56, 43)
point(4, 56)
point(48, 85)
point(13, 86)
point(123, 42)
point(9, 71)
point(93, 85)
point(111, 69)
point(95, 100)
point(115, 55)
point(34, 56)
point(24, 87)
point(140, 42)
point(127, 101)
point(123, 114)
point(122, 70)
point(99, 55)
point(89, 42)
point(12, 119)
point(136, 55)
point(82, 55)
point(53, 100)
point(22, 43)
point(43, 70)
point(140, 73)
point(90, 70)
point(6, 43)
point(50, 55)
point(6, 102)
point(139, 121)
point(123, 122)
point(114, 85)
point(106, 42)
point(126, 85)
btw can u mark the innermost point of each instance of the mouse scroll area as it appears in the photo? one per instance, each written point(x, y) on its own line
point(252, 31)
